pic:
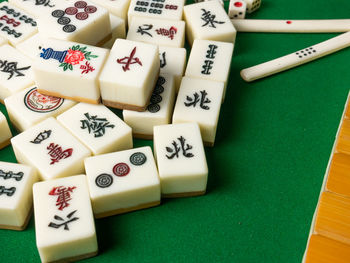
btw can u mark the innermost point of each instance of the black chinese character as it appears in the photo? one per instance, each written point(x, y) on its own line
point(207, 67)
point(174, 151)
point(202, 99)
point(96, 125)
point(11, 68)
point(144, 28)
point(64, 223)
point(162, 60)
point(211, 51)
point(42, 136)
point(209, 19)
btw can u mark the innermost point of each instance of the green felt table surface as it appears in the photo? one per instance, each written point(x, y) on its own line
point(273, 143)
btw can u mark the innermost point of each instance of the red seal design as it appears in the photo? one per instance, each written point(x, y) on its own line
point(37, 102)
point(80, 4)
point(71, 10)
point(121, 169)
point(90, 9)
point(82, 16)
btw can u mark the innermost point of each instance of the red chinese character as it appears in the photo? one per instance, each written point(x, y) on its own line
point(127, 61)
point(167, 32)
point(56, 153)
point(63, 194)
point(86, 68)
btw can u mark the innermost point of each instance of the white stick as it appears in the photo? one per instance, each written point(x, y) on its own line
point(300, 26)
point(297, 58)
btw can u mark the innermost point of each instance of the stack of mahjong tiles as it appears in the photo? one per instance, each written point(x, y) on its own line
point(53, 81)
point(329, 239)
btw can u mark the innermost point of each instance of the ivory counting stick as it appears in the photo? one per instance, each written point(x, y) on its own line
point(297, 58)
point(300, 26)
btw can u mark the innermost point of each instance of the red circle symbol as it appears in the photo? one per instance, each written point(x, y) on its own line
point(289, 22)
point(71, 10)
point(82, 16)
point(90, 9)
point(238, 4)
point(80, 4)
point(121, 169)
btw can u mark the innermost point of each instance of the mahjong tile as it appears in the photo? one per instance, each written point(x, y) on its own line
point(118, 30)
point(97, 127)
point(156, 31)
point(15, 71)
point(69, 70)
point(15, 24)
point(237, 9)
point(252, 5)
point(210, 60)
point(220, 1)
point(5, 132)
point(78, 21)
point(28, 107)
point(129, 75)
point(50, 148)
point(123, 181)
point(16, 197)
point(180, 156)
point(200, 101)
point(116, 7)
point(3, 41)
point(208, 20)
point(31, 45)
point(158, 112)
point(173, 62)
point(64, 222)
point(36, 7)
point(165, 9)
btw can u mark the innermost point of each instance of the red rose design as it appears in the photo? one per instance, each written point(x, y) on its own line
point(74, 57)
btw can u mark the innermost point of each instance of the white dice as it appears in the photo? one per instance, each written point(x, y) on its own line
point(165, 9)
point(123, 181)
point(208, 20)
point(252, 5)
point(69, 70)
point(180, 155)
point(200, 101)
point(129, 75)
point(51, 149)
point(97, 127)
point(16, 197)
point(158, 112)
point(28, 107)
point(156, 31)
point(237, 9)
point(5, 132)
point(210, 60)
point(78, 21)
point(64, 223)
point(15, 72)
point(15, 24)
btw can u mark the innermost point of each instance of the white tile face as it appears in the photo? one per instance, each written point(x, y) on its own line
point(122, 181)
point(35, 7)
point(155, 31)
point(15, 71)
point(70, 70)
point(51, 149)
point(97, 127)
point(181, 159)
point(3, 41)
point(5, 133)
point(74, 21)
point(15, 24)
point(252, 5)
point(173, 62)
point(210, 60)
point(158, 112)
point(116, 7)
point(208, 20)
point(28, 107)
point(118, 30)
point(237, 9)
point(31, 46)
point(129, 75)
point(64, 224)
point(220, 1)
point(199, 101)
point(16, 183)
point(166, 9)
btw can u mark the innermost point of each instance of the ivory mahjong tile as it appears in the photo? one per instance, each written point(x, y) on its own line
point(123, 181)
point(181, 160)
point(199, 101)
point(35, 7)
point(129, 75)
point(15, 72)
point(31, 46)
point(78, 21)
point(156, 31)
point(28, 107)
point(16, 198)
point(115, 7)
point(69, 70)
point(208, 20)
point(64, 223)
point(3, 41)
point(158, 112)
point(51, 149)
point(15, 24)
point(5, 132)
point(118, 30)
point(97, 127)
